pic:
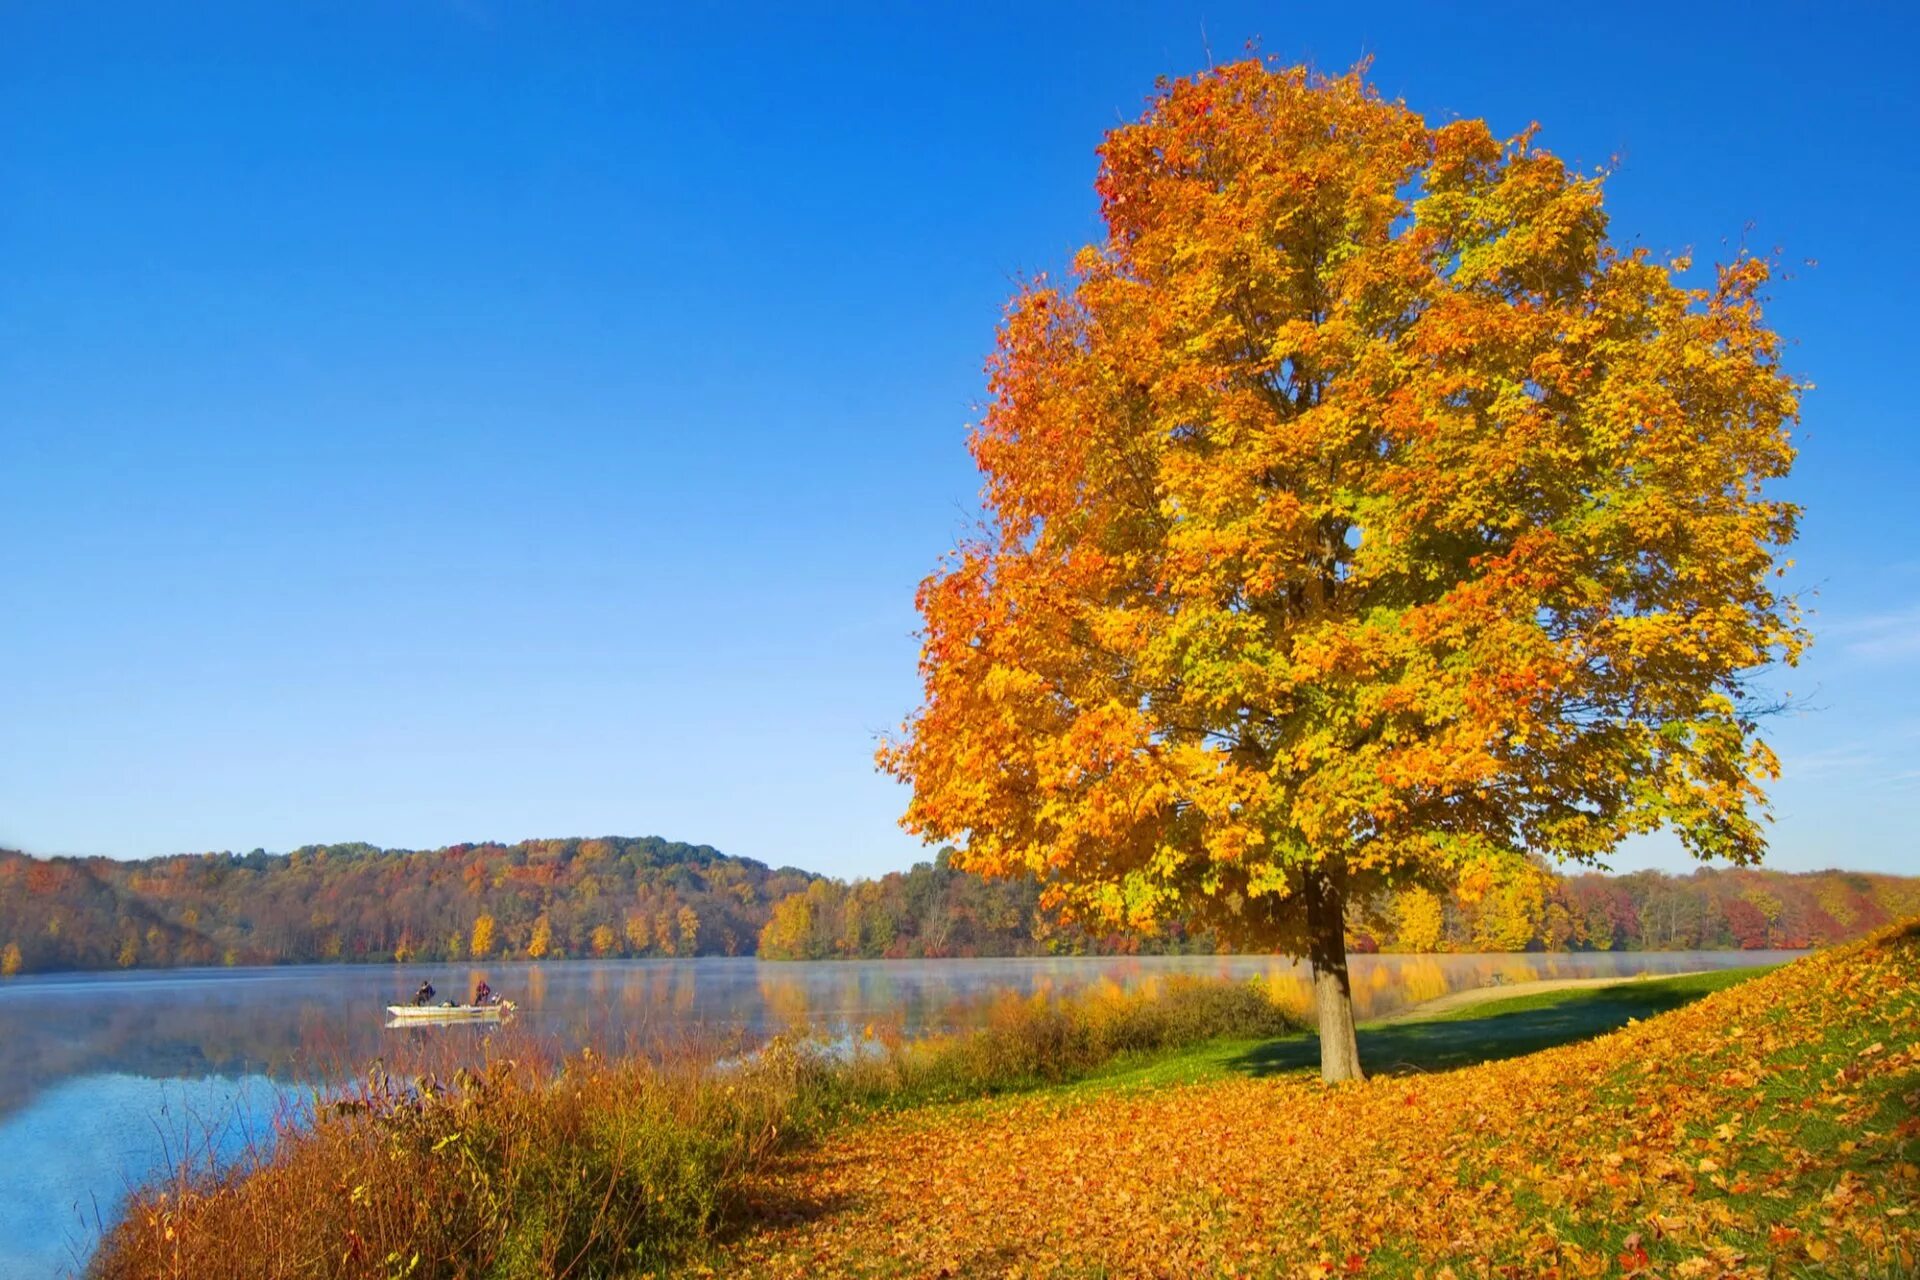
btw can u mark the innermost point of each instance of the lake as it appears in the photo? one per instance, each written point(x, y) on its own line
point(109, 1080)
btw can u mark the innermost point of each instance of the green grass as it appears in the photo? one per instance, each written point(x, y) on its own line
point(1641, 996)
point(1456, 1038)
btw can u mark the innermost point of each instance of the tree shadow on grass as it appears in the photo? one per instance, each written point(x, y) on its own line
point(775, 1204)
point(1441, 1044)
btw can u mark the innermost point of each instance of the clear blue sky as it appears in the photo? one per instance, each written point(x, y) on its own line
point(425, 422)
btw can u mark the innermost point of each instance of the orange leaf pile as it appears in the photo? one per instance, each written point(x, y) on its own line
point(1766, 1131)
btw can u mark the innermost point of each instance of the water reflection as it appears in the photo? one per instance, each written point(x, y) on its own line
point(68, 1159)
point(87, 1061)
point(324, 1023)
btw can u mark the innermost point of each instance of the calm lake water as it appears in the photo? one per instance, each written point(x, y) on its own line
point(109, 1080)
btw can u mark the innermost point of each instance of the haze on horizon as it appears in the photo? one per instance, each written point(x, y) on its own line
point(462, 422)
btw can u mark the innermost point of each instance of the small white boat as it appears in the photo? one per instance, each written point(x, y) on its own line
point(400, 1014)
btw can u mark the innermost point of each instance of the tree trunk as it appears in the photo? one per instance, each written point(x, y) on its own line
point(1332, 989)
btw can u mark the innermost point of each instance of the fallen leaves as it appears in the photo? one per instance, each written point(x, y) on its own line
point(1667, 1149)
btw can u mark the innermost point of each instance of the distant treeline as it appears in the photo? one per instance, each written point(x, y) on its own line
point(652, 897)
point(1748, 908)
point(538, 898)
point(935, 910)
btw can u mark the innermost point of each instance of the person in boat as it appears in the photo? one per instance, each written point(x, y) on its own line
point(424, 994)
point(483, 994)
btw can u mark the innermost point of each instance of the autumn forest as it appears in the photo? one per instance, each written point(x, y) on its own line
point(617, 897)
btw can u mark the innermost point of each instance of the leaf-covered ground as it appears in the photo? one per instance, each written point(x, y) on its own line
point(1772, 1129)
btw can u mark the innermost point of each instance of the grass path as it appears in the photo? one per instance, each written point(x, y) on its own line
point(1455, 1000)
point(1701, 1127)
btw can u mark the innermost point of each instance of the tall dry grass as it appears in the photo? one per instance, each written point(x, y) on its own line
point(589, 1166)
point(1018, 1041)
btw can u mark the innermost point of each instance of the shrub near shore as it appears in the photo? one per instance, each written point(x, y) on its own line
point(605, 1167)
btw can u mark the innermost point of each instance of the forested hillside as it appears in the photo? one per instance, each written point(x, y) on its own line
point(538, 898)
point(652, 897)
point(935, 910)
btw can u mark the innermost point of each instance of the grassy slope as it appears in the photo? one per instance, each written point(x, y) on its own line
point(1482, 1032)
point(1768, 1130)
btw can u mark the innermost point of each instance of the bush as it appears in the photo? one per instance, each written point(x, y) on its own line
point(1023, 1041)
point(510, 1171)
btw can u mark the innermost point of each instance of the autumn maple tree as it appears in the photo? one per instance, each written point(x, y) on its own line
point(1357, 517)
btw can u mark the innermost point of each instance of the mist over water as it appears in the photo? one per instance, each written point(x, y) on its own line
point(108, 1081)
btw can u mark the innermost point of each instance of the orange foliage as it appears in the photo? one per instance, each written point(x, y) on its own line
point(1357, 515)
point(483, 932)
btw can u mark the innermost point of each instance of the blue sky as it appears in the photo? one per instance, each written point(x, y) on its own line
point(425, 422)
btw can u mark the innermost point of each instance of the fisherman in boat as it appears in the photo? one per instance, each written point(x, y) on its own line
point(483, 994)
point(424, 995)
